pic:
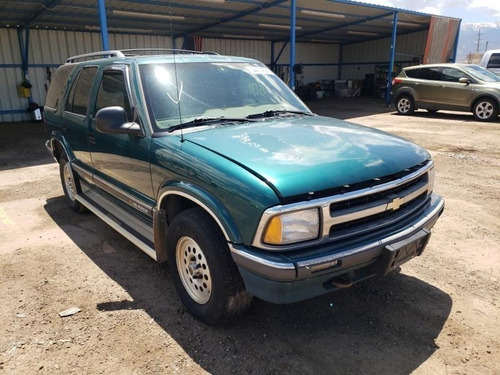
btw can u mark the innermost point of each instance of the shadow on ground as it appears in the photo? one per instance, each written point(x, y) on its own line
point(347, 108)
point(382, 326)
point(22, 144)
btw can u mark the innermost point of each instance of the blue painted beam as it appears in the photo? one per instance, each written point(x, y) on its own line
point(337, 27)
point(280, 52)
point(293, 23)
point(391, 60)
point(381, 7)
point(253, 10)
point(104, 24)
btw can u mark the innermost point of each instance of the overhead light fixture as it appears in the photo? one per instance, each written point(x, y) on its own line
point(274, 26)
point(404, 23)
point(365, 33)
point(325, 41)
point(238, 36)
point(147, 15)
point(321, 14)
point(119, 29)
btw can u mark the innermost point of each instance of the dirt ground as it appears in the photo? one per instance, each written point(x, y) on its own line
point(439, 315)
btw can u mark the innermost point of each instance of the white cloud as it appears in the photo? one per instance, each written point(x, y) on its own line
point(431, 10)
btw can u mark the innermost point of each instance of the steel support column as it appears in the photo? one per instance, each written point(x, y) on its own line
point(293, 16)
point(391, 60)
point(24, 48)
point(104, 24)
point(272, 56)
point(455, 49)
point(339, 69)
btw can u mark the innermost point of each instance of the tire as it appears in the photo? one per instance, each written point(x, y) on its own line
point(485, 109)
point(405, 105)
point(204, 274)
point(70, 184)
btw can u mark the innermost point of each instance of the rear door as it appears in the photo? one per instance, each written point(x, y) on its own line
point(454, 95)
point(75, 119)
point(121, 161)
point(426, 81)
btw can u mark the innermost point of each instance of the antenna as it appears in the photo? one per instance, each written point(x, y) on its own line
point(176, 79)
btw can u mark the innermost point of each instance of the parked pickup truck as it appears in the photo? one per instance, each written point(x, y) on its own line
point(213, 164)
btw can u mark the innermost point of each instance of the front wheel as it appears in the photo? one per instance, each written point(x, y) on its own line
point(405, 105)
point(485, 110)
point(204, 274)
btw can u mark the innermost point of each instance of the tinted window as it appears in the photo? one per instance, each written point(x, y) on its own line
point(494, 61)
point(452, 75)
point(78, 98)
point(56, 88)
point(113, 92)
point(432, 74)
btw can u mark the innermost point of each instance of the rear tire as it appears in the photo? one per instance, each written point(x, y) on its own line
point(70, 184)
point(405, 105)
point(204, 274)
point(485, 109)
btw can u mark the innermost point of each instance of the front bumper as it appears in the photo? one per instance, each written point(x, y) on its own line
point(281, 278)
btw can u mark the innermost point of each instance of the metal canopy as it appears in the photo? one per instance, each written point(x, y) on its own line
point(332, 21)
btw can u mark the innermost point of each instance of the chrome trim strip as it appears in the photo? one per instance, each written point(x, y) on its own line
point(49, 147)
point(199, 203)
point(121, 194)
point(324, 205)
point(129, 236)
point(86, 175)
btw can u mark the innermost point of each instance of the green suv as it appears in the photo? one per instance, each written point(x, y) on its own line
point(213, 164)
point(454, 87)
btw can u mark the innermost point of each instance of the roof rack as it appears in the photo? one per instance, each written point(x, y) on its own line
point(134, 52)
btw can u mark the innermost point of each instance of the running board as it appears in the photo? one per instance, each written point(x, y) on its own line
point(96, 209)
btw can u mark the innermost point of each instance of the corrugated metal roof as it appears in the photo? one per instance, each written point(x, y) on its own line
point(341, 21)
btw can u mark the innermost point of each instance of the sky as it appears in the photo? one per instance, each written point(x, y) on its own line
point(470, 11)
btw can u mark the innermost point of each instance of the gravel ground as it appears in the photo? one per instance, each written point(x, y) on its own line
point(438, 315)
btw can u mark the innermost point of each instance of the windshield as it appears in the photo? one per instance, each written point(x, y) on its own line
point(480, 73)
point(231, 90)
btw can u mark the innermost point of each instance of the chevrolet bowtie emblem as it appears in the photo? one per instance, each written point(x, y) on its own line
point(395, 204)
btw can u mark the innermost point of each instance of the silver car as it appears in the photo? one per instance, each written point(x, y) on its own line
point(454, 87)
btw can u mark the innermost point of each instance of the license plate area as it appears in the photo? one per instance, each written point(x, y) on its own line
point(400, 252)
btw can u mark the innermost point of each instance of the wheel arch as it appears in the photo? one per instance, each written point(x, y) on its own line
point(484, 96)
point(59, 146)
point(179, 196)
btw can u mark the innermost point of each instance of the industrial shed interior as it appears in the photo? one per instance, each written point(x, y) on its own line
point(321, 48)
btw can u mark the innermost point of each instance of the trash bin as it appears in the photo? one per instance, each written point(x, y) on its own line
point(35, 111)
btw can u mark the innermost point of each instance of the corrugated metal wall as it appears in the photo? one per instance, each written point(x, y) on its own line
point(408, 47)
point(50, 47)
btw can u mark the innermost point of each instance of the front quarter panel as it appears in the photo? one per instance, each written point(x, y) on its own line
point(233, 194)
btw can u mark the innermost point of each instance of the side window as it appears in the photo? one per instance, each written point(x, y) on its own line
point(431, 74)
point(56, 88)
point(452, 75)
point(494, 61)
point(78, 98)
point(413, 73)
point(113, 92)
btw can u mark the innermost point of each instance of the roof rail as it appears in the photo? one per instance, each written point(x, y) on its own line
point(89, 56)
point(133, 52)
point(159, 51)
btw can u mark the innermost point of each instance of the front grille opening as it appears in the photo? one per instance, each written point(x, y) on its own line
point(378, 221)
point(361, 201)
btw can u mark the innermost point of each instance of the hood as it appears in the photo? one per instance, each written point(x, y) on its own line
point(309, 154)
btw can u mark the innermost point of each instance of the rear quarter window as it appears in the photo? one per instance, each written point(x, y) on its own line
point(494, 61)
point(57, 86)
point(78, 98)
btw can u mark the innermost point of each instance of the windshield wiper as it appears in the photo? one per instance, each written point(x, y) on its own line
point(276, 112)
point(200, 121)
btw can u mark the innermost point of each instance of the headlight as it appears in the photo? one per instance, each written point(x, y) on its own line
point(292, 227)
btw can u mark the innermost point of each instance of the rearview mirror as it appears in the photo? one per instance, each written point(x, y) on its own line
point(113, 120)
point(464, 80)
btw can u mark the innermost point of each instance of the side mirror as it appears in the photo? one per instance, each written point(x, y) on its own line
point(113, 120)
point(464, 80)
